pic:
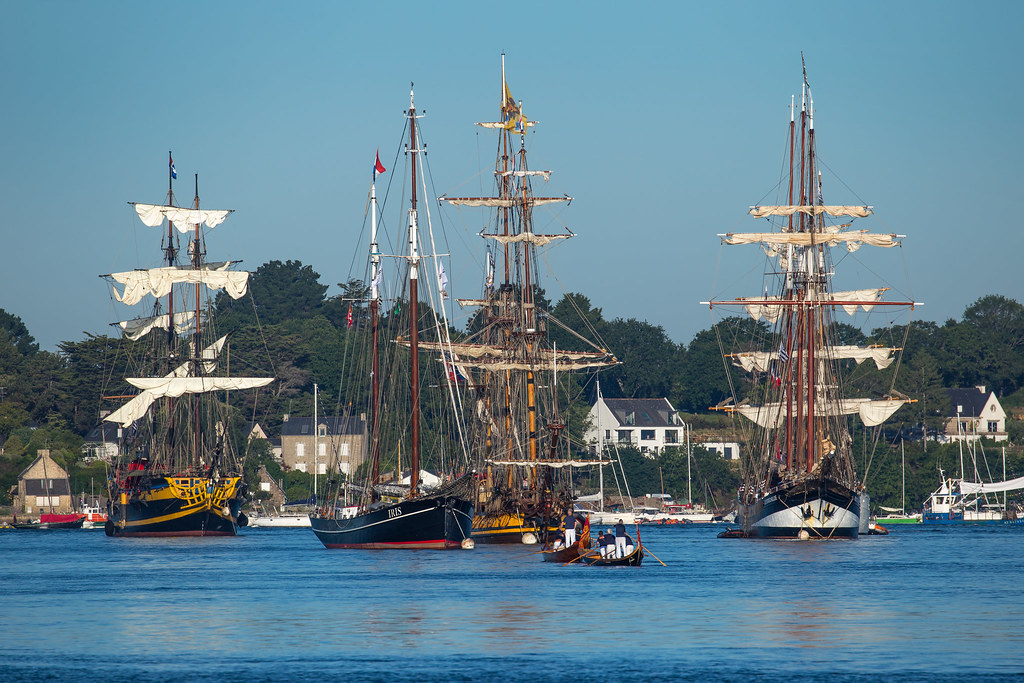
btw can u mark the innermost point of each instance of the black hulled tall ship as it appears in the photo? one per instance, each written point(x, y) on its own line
point(510, 363)
point(393, 514)
point(176, 473)
point(799, 474)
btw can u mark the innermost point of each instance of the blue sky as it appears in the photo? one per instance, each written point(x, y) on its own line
point(664, 121)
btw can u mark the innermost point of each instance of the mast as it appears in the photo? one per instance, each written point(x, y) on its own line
point(374, 340)
point(316, 441)
point(196, 257)
point(600, 445)
point(414, 333)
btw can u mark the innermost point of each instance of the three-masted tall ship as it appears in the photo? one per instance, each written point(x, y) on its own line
point(391, 514)
point(177, 474)
point(517, 435)
point(799, 474)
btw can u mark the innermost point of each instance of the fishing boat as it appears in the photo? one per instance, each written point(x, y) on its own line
point(49, 521)
point(508, 361)
point(94, 517)
point(395, 515)
point(177, 473)
point(799, 475)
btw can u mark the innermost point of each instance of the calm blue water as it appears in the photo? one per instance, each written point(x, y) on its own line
point(273, 604)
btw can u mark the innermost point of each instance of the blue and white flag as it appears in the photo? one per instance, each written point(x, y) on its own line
point(783, 356)
point(174, 172)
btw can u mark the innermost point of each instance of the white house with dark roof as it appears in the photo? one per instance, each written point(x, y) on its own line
point(648, 424)
point(973, 414)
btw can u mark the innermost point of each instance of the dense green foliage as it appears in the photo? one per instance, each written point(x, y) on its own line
point(53, 399)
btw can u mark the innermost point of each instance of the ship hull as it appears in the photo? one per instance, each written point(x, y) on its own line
point(439, 522)
point(507, 528)
point(815, 507)
point(177, 506)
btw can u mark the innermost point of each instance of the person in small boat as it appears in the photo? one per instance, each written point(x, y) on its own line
point(629, 546)
point(620, 539)
point(559, 541)
point(569, 524)
point(607, 541)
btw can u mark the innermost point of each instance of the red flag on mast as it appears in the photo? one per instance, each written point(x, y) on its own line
point(378, 167)
point(348, 318)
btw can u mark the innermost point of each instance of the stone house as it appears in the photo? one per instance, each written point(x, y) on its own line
point(43, 487)
point(337, 444)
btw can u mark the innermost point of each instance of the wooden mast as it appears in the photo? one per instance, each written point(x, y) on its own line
point(414, 333)
point(788, 391)
point(374, 341)
point(197, 339)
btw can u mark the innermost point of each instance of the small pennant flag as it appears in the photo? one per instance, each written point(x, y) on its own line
point(490, 268)
point(348, 318)
point(783, 356)
point(174, 172)
point(378, 279)
point(442, 281)
point(378, 167)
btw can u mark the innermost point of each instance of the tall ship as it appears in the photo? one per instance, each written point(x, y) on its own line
point(395, 514)
point(177, 473)
point(510, 364)
point(799, 475)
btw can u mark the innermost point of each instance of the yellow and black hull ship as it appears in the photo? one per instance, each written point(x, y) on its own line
point(177, 506)
point(507, 528)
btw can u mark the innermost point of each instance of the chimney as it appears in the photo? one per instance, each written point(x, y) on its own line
point(285, 418)
point(981, 388)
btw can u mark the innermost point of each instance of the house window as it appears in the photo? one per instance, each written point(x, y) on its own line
point(607, 434)
point(671, 436)
point(321, 430)
point(631, 418)
point(300, 466)
point(728, 452)
point(647, 435)
point(264, 486)
point(344, 448)
point(323, 448)
point(625, 435)
point(993, 426)
point(300, 450)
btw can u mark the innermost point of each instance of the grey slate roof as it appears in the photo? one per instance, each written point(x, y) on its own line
point(646, 412)
point(336, 426)
point(971, 401)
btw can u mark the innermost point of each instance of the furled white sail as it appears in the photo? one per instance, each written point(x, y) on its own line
point(544, 356)
point(184, 220)
point(532, 238)
point(501, 124)
point(158, 281)
point(503, 202)
point(760, 360)
point(136, 328)
point(972, 487)
point(853, 238)
point(872, 412)
point(771, 311)
point(546, 175)
point(555, 464)
point(138, 405)
point(852, 211)
point(178, 386)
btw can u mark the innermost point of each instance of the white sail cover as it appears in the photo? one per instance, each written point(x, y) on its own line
point(972, 487)
point(500, 124)
point(184, 219)
point(761, 360)
point(532, 238)
point(853, 238)
point(771, 312)
point(178, 386)
point(503, 202)
point(136, 328)
point(851, 211)
point(872, 412)
point(159, 281)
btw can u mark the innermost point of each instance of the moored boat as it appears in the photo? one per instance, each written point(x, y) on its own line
point(799, 475)
point(177, 473)
point(396, 516)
